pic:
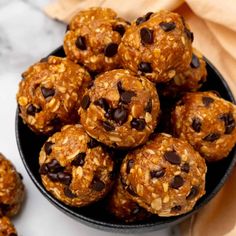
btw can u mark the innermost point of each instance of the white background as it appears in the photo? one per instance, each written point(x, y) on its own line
point(27, 35)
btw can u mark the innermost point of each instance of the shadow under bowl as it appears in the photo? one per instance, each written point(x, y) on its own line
point(29, 145)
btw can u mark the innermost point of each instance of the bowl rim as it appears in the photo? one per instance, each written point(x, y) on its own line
point(127, 228)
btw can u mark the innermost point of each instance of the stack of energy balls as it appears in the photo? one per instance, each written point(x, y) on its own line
point(104, 97)
point(12, 194)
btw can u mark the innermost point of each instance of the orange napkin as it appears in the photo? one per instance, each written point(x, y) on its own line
point(214, 25)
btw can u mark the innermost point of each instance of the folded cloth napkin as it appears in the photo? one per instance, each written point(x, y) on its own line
point(214, 25)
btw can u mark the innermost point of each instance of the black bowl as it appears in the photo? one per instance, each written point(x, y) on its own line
point(30, 144)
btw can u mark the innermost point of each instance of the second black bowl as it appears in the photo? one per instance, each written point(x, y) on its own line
point(94, 215)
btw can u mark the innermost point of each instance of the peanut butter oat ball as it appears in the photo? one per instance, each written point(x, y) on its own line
point(93, 39)
point(157, 45)
point(121, 205)
point(188, 80)
point(12, 190)
point(120, 109)
point(166, 176)
point(50, 93)
point(74, 168)
point(6, 227)
point(207, 122)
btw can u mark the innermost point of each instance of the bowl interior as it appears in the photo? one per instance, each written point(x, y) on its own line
point(30, 144)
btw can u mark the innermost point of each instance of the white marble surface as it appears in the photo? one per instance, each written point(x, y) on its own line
point(27, 35)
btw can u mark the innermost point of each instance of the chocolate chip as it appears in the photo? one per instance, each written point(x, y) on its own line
point(196, 124)
point(53, 177)
point(229, 122)
point(68, 193)
point(195, 63)
point(92, 143)
point(176, 208)
point(157, 173)
point(79, 159)
point(64, 178)
point(148, 15)
point(126, 96)
point(119, 87)
point(189, 34)
point(81, 43)
point(109, 114)
point(54, 166)
point(102, 102)
point(48, 147)
point(146, 36)
point(120, 115)
point(131, 191)
point(193, 193)
point(85, 102)
point(185, 168)
point(138, 123)
point(129, 166)
point(43, 170)
point(97, 185)
point(143, 19)
point(172, 157)
point(31, 110)
point(12, 234)
point(148, 107)
point(211, 137)
point(111, 50)
point(47, 92)
point(120, 29)
point(145, 67)
point(177, 182)
point(167, 26)
point(140, 20)
point(107, 126)
point(207, 101)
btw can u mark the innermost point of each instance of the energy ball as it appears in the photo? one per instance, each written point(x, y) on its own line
point(123, 208)
point(49, 94)
point(6, 227)
point(166, 176)
point(74, 168)
point(207, 122)
point(120, 109)
point(93, 38)
point(12, 191)
point(186, 81)
point(157, 45)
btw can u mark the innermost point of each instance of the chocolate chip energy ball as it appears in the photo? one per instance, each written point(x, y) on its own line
point(157, 45)
point(186, 81)
point(120, 110)
point(75, 168)
point(6, 227)
point(121, 205)
point(50, 93)
point(166, 176)
point(12, 190)
point(207, 122)
point(93, 39)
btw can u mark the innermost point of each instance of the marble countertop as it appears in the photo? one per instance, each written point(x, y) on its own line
point(26, 36)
